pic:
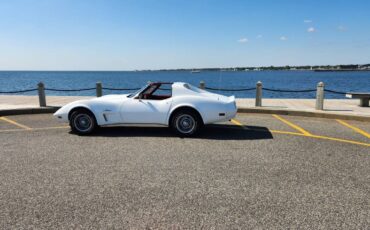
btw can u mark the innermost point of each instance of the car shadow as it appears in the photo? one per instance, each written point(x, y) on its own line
point(215, 132)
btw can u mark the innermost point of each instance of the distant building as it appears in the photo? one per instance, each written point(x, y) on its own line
point(364, 67)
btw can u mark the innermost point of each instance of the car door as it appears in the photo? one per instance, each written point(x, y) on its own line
point(150, 106)
point(145, 111)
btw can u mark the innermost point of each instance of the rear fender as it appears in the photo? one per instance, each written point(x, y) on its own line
point(183, 105)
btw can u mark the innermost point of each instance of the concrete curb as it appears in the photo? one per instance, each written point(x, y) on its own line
point(240, 110)
point(304, 114)
point(39, 110)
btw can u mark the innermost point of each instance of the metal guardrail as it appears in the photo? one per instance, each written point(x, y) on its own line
point(18, 91)
point(259, 88)
point(290, 91)
point(121, 89)
point(208, 88)
point(70, 90)
point(335, 92)
point(275, 90)
point(230, 90)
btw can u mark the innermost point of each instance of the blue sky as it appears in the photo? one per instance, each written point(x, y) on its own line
point(155, 34)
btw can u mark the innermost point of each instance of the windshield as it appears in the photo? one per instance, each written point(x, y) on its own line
point(133, 94)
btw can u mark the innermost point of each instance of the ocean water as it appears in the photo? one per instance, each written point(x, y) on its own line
point(290, 80)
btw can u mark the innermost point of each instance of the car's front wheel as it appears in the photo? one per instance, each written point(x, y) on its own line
point(82, 122)
point(186, 123)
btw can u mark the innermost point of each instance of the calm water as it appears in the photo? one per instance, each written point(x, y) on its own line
point(292, 80)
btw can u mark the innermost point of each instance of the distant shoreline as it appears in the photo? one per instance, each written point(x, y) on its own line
point(341, 70)
point(315, 68)
point(199, 70)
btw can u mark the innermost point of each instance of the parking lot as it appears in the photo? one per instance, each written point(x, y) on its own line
point(257, 171)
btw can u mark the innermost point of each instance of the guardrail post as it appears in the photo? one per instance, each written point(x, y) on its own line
point(202, 85)
point(259, 94)
point(99, 89)
point(41, 91)
point(320, 96)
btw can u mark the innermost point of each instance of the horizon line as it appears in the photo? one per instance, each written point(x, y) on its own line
point(170, 69)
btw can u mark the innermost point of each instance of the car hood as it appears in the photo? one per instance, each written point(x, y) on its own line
point(106, 100)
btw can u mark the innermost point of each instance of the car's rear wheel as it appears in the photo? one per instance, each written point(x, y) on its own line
point(82, 122)
point(186, 123)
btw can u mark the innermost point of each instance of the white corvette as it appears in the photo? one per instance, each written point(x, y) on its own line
point(181, 106)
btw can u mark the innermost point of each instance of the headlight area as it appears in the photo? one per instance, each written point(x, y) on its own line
point(62, 117)
point(59, 116)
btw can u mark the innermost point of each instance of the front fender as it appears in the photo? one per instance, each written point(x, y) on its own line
point(62, 113)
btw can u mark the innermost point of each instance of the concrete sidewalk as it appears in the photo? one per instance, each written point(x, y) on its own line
point(289, 106)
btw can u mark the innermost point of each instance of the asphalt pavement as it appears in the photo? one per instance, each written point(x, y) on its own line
point(257, 171)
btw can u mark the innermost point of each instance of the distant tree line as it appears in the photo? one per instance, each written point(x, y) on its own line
point(287, 67)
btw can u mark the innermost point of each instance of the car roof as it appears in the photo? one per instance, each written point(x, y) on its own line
point(173, 84)
point(161, 83)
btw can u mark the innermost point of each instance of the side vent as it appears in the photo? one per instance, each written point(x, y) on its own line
point(105, 117)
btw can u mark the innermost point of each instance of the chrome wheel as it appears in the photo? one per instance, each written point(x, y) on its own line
point(83, 122)
point(185, 123)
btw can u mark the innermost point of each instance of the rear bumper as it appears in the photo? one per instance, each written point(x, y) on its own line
point(230, 115)
point(220, 115)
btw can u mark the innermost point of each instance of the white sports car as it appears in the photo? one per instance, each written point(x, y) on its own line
point(181, 106)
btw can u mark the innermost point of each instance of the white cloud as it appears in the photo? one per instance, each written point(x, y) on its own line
point(311, 30)
point(307, 21)
point(259, 36)
point(243, 40)
point(342, 28)
point(283, 38)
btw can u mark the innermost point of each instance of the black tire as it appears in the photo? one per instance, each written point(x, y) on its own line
point(186, 123)
point(82, 122)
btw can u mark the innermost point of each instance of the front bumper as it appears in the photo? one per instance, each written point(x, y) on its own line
point(61, 116)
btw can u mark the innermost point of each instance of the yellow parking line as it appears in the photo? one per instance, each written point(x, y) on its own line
point(15, 123)
point(33, 129)
point(360, 131)
point(294, 126)
point(341, 140)
point(285, 132)
point(322, 137)
point(236, 122)
point(303, 134)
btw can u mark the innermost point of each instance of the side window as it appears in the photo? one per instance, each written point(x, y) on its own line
point(163, 90)
point(150, 89)
point(157, 92)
